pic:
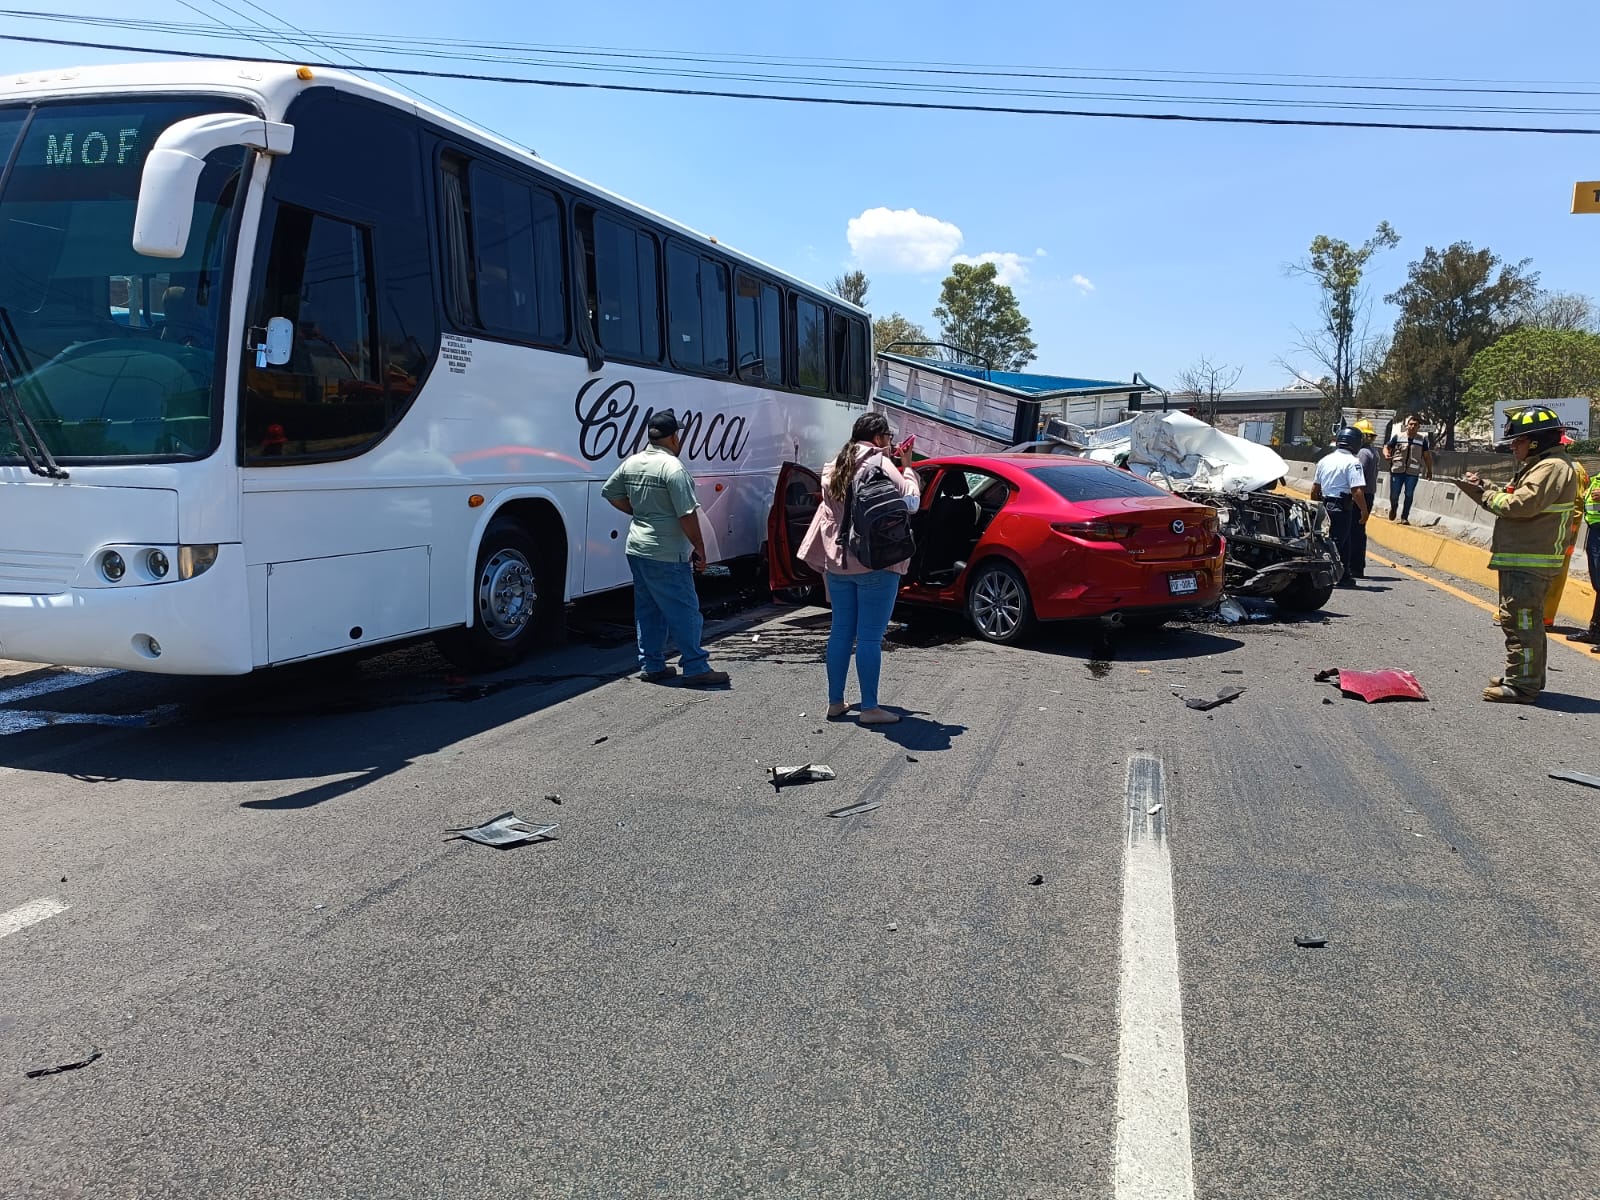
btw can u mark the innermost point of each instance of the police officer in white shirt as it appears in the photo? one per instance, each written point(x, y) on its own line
point(1341, 487)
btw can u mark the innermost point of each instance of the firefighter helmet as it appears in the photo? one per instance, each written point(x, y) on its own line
point(1534, 419)
point(1349, 438)
point(1366, 427)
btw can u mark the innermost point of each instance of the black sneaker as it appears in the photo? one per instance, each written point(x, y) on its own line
point(657, 676)
point(707, 679)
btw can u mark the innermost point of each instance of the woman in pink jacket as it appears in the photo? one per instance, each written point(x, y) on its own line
point(862, 598)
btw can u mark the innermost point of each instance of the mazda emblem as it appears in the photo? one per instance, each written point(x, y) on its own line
point(1177, 527)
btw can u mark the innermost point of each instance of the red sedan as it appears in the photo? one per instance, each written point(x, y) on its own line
point(1013, 538)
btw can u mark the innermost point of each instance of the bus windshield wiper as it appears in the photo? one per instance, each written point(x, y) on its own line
point(34, 449)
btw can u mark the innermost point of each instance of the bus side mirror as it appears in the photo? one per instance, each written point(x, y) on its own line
point(172, 171)
point(280, 340)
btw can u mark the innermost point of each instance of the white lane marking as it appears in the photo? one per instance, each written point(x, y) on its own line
point(68, 677)
point(1154, 1160)
point(29, 914)
point(21, 720)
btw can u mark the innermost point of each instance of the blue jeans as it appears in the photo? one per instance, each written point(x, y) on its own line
point(665, 602)
point(1397, 484)
point(861, 608)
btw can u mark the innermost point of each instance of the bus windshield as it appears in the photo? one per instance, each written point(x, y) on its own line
point(113, 355)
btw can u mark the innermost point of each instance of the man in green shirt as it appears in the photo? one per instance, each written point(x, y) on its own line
point(665, 550)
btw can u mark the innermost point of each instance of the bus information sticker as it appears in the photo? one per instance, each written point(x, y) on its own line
point(457, 353)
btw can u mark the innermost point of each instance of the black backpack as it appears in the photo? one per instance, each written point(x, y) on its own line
point(877, 524)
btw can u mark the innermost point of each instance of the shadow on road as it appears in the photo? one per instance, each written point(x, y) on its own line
point(327, 718)
point(1563, 703)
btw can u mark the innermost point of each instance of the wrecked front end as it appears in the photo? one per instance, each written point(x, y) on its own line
point(1278, 547)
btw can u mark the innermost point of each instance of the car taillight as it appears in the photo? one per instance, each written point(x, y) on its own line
point(1210, 526)
point(1096, 531)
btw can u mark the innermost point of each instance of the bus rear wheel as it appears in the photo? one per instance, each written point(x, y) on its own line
point(516, 602)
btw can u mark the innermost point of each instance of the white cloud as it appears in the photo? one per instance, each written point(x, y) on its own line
point(1083, 282)
point(902, 239)
point(1011, 268)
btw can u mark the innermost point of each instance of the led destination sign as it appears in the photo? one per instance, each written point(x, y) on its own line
point(90, 147)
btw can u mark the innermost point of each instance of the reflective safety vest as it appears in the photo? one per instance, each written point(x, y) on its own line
point(1591, 502)
point(1533, 514)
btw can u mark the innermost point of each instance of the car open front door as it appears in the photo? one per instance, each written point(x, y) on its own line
point(799, 494)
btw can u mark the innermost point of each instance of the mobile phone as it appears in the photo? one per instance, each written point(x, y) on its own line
point(904, 448)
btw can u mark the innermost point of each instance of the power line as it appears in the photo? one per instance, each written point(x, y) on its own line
point(854, 102)
point(962, 89)
point(431, 46)
point(324, 44)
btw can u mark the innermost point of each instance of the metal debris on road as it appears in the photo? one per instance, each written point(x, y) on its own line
point(1150, 812)
point(1310, 943)
point(811, 772)
point(1223, 697)
point(1373, 686)
point(598, 740)
point(1036, 881)
point(71, 1066)
point(909, 758)
point(507, 829)
point(851, 810)
point(553, 797)
point(1577, 777)
point(1231, 671)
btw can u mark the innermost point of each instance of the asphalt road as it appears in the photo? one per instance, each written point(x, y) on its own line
point(239, 893)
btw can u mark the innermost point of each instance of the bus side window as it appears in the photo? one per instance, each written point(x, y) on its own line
point(685, 342)
point(811, 344)
point(859, 360)
point(697, 311)
point(623, 287)
point(510, 276)
point(758, 330)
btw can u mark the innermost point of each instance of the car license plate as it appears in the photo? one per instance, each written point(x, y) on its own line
point(1183, 585)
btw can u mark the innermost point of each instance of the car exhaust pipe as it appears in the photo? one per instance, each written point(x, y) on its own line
point(1112, 620)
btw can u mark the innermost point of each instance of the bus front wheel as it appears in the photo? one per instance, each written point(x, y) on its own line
point(516, 602)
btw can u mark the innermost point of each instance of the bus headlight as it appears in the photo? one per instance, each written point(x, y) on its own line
point(195, 560)
point(157, 564)
point(112, 566)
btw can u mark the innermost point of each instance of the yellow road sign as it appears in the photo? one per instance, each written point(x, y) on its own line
point(1586, 197)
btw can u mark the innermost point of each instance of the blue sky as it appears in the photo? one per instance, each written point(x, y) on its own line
point(1134, 245)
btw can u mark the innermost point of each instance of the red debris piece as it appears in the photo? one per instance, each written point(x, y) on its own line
point(1372, 686)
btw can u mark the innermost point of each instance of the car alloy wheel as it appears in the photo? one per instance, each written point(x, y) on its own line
point(998, 603)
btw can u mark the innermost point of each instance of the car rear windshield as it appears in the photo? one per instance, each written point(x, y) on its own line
point(1089, 482)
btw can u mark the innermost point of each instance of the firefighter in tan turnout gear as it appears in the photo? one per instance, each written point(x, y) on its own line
point(1529, 545)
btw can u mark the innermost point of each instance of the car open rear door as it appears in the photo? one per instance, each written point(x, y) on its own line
point(799, 494)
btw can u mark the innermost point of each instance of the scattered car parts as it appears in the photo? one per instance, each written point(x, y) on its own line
point(505, 830)
point(1373, 686)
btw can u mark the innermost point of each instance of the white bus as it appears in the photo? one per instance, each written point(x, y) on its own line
point(294, 365)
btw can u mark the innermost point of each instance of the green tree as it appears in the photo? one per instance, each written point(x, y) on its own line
point(886, 331)
point(1534, 364)
point(1338, 343)
point(980, 315)
point(851, 286)
point(1454, 303)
